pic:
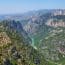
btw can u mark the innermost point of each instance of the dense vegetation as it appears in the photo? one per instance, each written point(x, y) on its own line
point(19, 51)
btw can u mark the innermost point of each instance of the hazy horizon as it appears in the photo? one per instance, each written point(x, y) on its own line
point(22, 6)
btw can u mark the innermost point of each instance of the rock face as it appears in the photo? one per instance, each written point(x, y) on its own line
point(53, 23)
point(53, 18)
point(59, 12)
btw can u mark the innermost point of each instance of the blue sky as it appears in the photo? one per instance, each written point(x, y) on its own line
point(21, 6)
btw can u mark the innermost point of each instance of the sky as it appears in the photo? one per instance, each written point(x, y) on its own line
point(21, 6)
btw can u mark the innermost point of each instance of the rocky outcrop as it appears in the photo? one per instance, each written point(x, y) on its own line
point(58, 23)
point(59, 12)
